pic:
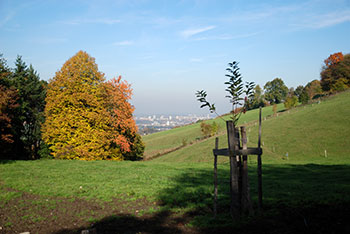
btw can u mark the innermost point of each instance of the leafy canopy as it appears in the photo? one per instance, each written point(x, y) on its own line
point(235, 89)
point(86, 117)
point(275, 91)
point(257, 99)
point(335, 74)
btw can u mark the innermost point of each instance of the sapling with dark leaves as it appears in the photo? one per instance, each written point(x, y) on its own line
point(236, 89)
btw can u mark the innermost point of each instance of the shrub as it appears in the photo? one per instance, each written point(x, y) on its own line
point(274, 109)
point(291, 102)
point(209, 130)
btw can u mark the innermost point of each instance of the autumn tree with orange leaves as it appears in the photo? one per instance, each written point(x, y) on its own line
point(123, 127)
point(88, 118)
point(335, 74)
point(8, 104)
point(333, 59)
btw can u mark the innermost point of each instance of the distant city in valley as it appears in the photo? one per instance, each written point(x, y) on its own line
point(155, 123)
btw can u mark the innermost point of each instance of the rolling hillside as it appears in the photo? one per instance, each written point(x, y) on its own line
point(318, 132)
point(158, 143)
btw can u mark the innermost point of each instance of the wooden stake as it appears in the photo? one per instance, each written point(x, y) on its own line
point(259, 167)
point(235, 206)
point(245, 200)
point(239, 167)
point(216, 177)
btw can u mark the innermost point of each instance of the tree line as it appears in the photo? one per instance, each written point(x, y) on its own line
point(22, 104)
point(80, 115)
point(76, 115)
point(335, 77)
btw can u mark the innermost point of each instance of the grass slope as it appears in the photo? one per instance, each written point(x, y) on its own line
point(158, 143)
point(303, 133)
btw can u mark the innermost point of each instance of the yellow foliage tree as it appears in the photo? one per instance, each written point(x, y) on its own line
point(79, 122)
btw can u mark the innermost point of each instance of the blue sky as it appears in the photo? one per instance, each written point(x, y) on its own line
point(169, 49)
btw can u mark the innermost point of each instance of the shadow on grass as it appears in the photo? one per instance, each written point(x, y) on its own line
point(129, 224)
point(297, 199)
point(3, 161)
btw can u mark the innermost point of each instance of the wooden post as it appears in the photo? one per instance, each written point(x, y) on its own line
point(239, 167)
point(259, 167)
point(235, 204)
point(216, 177)
point(246, 201)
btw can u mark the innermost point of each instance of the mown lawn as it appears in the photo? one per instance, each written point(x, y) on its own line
point(183, 189)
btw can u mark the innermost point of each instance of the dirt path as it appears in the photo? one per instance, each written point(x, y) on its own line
point(40, 214)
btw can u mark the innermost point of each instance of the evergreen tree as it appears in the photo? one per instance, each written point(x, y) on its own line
point(29, 117)
point(5, 72)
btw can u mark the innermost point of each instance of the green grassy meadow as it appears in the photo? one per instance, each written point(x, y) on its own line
point(306, 191)
point(160, 142)
point(303, 133)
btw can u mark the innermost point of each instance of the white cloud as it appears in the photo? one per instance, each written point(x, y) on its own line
point(227, 37)
point(92, 21)
point(123, 43)
point(7, 18)
point(196, 60)
point(191, 32)
point(264, 12)
point(48, 40)
point(327, 20)
point(147, 57)
point(9, 11)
